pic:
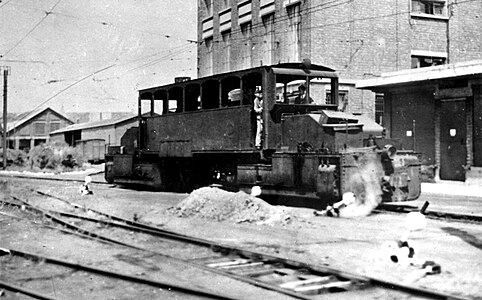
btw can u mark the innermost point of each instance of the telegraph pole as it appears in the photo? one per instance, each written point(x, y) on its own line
point(4, 134)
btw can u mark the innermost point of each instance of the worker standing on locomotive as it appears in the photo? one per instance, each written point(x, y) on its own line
point(258, 110)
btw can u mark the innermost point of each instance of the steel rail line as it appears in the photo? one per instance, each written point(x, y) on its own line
point(28, 292)
point(102, 272)
point(432, 214)
point(437, 215)
point(55, 179)
point(363, 280)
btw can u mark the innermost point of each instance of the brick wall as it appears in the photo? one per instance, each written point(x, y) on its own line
point(465, 31)
point(359, 39)
point(428, 34)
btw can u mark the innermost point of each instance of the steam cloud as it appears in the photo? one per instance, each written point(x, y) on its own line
point(365, 182)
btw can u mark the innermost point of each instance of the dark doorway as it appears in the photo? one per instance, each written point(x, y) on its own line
point(453, 149)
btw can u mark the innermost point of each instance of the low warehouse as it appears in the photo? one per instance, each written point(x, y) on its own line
point(90, 137)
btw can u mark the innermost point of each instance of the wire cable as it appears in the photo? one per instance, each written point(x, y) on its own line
point(71, 85)
point(47, 13)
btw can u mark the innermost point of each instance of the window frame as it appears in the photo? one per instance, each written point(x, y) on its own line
point(379, 108)
point(342, 97)
point(424, 14)
point(420, 57)
point(57, 123)
point(35, 131)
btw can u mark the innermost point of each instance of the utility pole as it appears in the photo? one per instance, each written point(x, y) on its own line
point(4, 133)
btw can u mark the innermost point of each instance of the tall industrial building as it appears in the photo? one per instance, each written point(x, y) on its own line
point(358, 38)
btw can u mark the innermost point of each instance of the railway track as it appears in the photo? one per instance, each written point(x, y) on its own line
point(383, 207)
point(97, 271)
point(296, 279)
point(432, 214)
point(54, 178)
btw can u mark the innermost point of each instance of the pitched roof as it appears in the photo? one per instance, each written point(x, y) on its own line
point(96, 124)
point(25, 117)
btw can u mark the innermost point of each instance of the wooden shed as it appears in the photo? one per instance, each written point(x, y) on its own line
point(32, 128)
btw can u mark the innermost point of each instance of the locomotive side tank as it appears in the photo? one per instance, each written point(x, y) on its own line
point(205, 133)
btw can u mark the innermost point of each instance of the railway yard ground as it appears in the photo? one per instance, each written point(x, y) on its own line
point(350, 246)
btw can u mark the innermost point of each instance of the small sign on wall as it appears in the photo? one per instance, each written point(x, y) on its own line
point(453, 132)
point(409, 133)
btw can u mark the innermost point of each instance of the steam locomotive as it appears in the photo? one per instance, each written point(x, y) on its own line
point(202, 132)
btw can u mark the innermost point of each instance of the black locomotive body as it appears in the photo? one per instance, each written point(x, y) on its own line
point(205, 134)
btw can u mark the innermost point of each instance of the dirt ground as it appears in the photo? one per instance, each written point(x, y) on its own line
point(352, 245)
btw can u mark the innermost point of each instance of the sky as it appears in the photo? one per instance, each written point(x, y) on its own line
point(93, 55)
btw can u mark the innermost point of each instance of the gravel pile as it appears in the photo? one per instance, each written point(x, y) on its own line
point(220, 205)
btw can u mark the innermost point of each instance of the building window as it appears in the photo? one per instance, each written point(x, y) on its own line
point(436, 8)
point(54, 126)
point(207, 28)
point(39, 128)
point(244, 12)
point(379, 108)
point(266, 7)
point(225, 20)
point(342, 98)
point(426, 61)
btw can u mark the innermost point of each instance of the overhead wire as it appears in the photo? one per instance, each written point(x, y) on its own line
point(71, 85)
point(47, 13)
point(180, 49)
point(109, 24)
point(5, 3)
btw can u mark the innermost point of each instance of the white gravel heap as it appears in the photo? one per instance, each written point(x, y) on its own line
point(220, 205)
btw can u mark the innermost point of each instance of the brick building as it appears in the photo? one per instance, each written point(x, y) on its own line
point(360, 39)
point(436, 111)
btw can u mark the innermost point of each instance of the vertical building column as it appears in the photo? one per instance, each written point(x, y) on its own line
point(139, 119)
point(220, 95)
point(334, 91)
point(436, 120)
point(469, 113)
point(387, 114)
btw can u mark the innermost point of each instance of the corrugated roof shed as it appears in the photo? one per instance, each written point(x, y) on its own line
point(97, 124)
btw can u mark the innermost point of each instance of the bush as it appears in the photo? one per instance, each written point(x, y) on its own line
point(14, 157)
point(54, 156)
